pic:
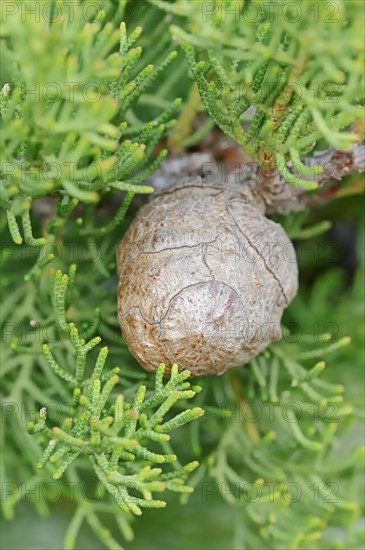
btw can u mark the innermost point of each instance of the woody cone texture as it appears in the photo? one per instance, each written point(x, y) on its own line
point(204, 278)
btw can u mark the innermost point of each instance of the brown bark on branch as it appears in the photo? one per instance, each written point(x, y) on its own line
point(270, 188)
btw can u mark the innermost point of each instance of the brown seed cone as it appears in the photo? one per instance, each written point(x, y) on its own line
point(204, 278)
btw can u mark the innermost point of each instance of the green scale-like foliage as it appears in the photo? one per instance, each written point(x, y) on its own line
point(95, 415)
point(298, 64)
point(64, 123)
point(108, 435)
point(120, 438)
